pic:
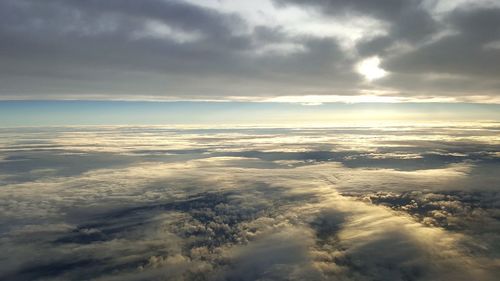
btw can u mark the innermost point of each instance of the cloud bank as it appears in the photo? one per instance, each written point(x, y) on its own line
point(223, 50)
point(158, 203)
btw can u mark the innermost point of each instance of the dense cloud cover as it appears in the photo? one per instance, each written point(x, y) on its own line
point(221, 49)
point(158, 203)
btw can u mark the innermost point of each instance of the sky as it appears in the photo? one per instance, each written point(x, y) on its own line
point(231, 114)
point(257, 140)
point(264, 50)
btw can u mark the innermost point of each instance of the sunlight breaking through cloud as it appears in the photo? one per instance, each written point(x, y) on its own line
point(370, 69)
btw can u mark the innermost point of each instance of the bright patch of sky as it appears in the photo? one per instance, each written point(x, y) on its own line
point(370, 69)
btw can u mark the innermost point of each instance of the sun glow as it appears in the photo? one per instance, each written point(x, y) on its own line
point(370, 69)
point(320, 99)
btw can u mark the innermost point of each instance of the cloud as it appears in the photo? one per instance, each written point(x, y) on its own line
point(219, 50)
point(256, 203)
point(162, 46)
point(278, 256)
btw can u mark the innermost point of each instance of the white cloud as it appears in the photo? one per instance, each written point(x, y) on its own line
point(159, 30)
point(299, 22)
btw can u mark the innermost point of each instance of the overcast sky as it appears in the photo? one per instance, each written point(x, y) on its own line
point(129, 203)
point(265, 50)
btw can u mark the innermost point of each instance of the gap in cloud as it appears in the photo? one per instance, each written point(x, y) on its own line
point(370, 69)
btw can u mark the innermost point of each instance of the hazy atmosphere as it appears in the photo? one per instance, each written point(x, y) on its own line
point(225, 140)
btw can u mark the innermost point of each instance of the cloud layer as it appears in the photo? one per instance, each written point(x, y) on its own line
point(157, 203)
point(220, 50)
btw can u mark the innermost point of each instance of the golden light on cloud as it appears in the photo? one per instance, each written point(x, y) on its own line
point(370, 69)
point(320, 99)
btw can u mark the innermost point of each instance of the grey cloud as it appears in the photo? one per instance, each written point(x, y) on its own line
point(89, 49)
point(460, 54)
point(408, 19)
point(460, 63)
point(100, 50)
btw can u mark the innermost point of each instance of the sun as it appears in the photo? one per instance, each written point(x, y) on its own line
point(370, 69)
